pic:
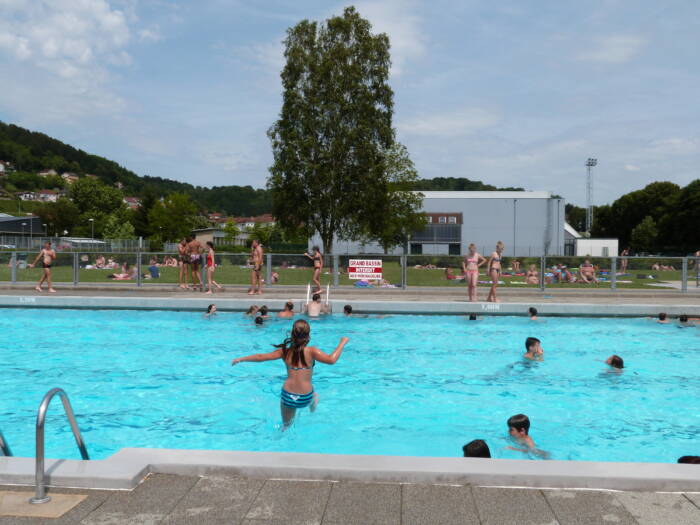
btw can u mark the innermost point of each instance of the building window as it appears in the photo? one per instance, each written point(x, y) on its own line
point(455, 248)
point(416, 248)
point(452, 220)
point(430, 219)
point(443, 220)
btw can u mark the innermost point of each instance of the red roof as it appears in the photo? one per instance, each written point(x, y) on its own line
point(265, 218)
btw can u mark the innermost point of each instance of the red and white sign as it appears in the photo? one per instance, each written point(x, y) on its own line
point(365, 269)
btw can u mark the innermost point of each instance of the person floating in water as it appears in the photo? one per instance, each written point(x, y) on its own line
point(47, 256)
point(534, 350)
point(297, 391)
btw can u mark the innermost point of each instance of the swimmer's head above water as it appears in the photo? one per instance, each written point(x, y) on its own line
point(615, 361)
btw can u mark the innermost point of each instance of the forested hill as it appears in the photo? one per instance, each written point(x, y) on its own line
point(31, 152)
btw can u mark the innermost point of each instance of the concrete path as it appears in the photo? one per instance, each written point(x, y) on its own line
point(174, 500)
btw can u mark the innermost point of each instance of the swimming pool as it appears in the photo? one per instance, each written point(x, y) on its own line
point(405, 385)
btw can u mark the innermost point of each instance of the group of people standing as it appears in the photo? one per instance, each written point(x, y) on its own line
point(470, 269)
point(190, 258)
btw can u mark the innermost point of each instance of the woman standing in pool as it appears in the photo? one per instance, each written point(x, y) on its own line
point(317, 259)
point(494, 272)
point(211, 266)
point(297, 391)
point(470, 267)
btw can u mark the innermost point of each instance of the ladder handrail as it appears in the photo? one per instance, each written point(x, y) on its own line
point(40, 495)
point(4, 447)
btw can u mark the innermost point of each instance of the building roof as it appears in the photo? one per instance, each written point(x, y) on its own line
point(52, 192)
point(266, 217)
point(571, 231)
point(487, 194)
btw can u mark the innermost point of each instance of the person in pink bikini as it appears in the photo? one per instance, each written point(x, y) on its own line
point(472, 261)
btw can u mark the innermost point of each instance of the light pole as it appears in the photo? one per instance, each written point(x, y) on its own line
point(92, 228)
point(589, 194)
point(46, 230)
point(24, 225)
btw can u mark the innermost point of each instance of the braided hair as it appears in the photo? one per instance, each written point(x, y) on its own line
point(296, 342)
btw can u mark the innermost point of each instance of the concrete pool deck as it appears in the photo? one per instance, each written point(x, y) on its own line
point(218, 499)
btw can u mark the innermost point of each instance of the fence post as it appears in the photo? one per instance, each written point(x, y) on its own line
point(138, 269)
point(268, 269)
point(613, 273)
point(336, 276)
point(684, 276)
point(543, 267)
point(14, 260)
point(404, 273)
point(76, 269)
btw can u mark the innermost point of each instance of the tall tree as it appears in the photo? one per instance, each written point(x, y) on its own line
point(335, 123)
point(643, 236)
point(402, 214)
point(173, 218)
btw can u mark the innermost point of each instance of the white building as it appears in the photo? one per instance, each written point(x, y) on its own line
point(529, 223)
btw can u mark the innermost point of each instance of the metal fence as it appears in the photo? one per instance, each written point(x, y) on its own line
point(72, 244)
point(398, 271)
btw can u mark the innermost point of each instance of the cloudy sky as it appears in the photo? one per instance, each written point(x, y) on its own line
point(509, 92)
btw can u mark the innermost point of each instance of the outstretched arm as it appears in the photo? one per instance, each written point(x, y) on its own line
point(258, 358)
point(331, 359)
point(37, 258)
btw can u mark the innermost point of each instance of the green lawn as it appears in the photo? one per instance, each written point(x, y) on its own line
point(10, 207)
point(232, 271)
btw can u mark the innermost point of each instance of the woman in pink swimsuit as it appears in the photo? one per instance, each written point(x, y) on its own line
point(470, 267)
point(495, 271)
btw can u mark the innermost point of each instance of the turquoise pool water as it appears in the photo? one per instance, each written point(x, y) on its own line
point(405, 385)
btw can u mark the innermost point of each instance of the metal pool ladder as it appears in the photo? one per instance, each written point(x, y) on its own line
point(40, 495)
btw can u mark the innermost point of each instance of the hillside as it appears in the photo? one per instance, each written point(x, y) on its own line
point(31, 152)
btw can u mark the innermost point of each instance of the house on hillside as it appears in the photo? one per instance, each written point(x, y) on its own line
point(5, 167)
point(27, 195)
point(246, 223)
point(217, 218)
point(132, 202)
point(69, 178)
point(46, 195)
point(47, 173)
point(119, 185)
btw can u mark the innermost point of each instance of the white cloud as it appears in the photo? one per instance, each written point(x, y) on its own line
point(614, 49)
point(152, 34)
point(631, 167)
point(452, 124)
point(71, 41)
point(394, 17)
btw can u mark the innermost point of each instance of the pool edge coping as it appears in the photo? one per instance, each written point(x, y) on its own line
point(129, 466)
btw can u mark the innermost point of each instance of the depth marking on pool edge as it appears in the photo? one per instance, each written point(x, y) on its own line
point(491, 307)
point(27, 299)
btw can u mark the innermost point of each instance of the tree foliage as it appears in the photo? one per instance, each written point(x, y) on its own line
point(117, 228)
point(172, 219)
point(334, 126)
point(232, 231)
point(643, 236)
point(60, 216)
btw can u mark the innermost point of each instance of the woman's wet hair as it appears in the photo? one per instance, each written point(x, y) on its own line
point(316, 297)
point(347, 309)
point(209, 308)
point(662, 316)
point(259, 320)
point(289, 305)
point(263, 310)
point(253, 308)
point(533, 311)
point(295, 343)
point(617, 362)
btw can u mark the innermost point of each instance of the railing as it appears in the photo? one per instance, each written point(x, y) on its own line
point(40, 495)
point(4, 447)
point(401, 271)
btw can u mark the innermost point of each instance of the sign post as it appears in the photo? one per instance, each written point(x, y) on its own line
point(366, 269)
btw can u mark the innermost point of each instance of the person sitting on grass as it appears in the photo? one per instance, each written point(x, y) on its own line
point(518, 429)
point(128, 273)
point(534, 350)
point(587, 272)
point(451, 276)
point(288, 311)
point(532, 276)
point(476, 449)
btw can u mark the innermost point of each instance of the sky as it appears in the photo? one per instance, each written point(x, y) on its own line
point(512, 93)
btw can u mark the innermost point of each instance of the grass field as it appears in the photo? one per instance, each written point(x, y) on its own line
point(232, 271)
point(10, 207)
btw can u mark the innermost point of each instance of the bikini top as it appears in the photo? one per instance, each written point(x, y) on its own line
point(302, 367)
point(473, 259)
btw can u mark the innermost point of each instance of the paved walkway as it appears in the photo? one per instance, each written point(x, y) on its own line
point(175, 500)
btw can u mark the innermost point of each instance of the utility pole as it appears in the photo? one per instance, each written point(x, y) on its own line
point(589, 194)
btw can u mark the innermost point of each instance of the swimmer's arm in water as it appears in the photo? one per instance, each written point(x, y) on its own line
point(258, 358)
point(331, 359)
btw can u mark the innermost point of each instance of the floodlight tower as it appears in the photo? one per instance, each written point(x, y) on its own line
point(589, 194)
